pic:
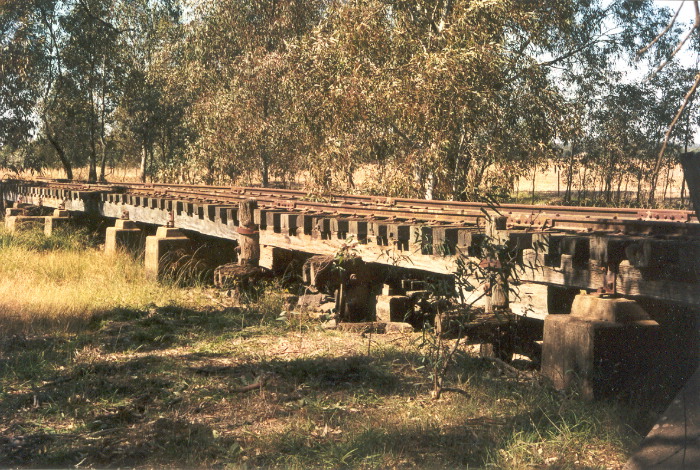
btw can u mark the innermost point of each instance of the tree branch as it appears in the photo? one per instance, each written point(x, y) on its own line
point(680, 45)
point(668, 27)
point(575, 51)
point(102, 21)
point(667, 137)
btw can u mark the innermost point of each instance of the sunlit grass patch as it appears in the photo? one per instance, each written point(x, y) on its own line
point(62, 281)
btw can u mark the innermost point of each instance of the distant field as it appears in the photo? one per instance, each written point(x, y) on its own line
point(548, 185)
point(549, 181)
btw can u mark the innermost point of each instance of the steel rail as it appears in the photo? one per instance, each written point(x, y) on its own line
point(399, 208)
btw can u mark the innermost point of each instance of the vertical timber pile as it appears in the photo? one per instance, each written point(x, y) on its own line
point(248, 271)
point(249, 236)
point(691, 169)
point(497, 287)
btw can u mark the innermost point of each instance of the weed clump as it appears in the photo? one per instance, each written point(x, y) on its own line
point(62, 239)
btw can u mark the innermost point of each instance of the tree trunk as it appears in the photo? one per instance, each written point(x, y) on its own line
point(582, 187)
point(429, 185)
point(619, 189)
point(691, 169)
point(92, 172)
point(609, 181)
point(569, 178)
point(683, 185)
point(67, 167)
point(144, 163)
point(265, 171)
point(103, 112)
point(103, 157)
point(668, 180)
point(61, 156)
point(151, 159)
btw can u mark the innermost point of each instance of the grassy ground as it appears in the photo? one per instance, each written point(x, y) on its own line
point(100, 367)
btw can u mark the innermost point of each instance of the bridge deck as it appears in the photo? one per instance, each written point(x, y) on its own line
point(635, 252)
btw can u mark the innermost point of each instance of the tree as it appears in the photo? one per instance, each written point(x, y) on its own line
point(91, 65)
point(152, 106)
point(239, 58)
point(436, 85)
point(20, 61)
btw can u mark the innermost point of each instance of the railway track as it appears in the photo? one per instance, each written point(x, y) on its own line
point(635, 252)
point(388, 208)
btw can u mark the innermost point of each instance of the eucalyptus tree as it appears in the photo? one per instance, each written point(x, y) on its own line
point(91, 62)
point(462, 96)
point(238, 59)
point(68, 73)
point(151, 110)
point(31, 73)
point(438, 84)
point(21, 58)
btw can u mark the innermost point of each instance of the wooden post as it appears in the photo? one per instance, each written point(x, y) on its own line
point(497, 285)
point(249, 236)
point(499, 295)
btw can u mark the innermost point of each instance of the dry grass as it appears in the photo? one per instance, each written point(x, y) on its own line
point(141, 375)
point(61, 282)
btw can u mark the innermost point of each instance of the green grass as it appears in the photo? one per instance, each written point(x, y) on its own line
point(101, 367)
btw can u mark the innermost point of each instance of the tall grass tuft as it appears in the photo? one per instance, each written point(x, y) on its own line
point(63, 238)
point(63, 281)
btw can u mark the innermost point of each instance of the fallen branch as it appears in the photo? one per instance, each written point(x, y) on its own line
point(503, 366)
point(363, 327)
point(455, 390)
point(257, 385)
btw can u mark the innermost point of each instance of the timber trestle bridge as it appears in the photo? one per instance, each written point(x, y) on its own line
point(638, 331)
point(636, 253)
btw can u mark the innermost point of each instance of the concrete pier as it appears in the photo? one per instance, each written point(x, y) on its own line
point(15, 220)
point(392, 308)
point(14, 211)
point(605, 347)
point(58, 219)
point(164, 249)
point(125, 235)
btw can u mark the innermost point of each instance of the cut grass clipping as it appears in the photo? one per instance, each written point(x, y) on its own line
point(100, 367)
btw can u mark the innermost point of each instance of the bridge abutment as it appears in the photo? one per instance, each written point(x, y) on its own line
point(606, 347)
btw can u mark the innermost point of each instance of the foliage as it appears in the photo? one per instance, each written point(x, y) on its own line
point(444, 99)
point(492, 271)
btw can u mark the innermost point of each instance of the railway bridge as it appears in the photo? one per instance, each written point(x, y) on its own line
point(629, 279)
point(636, 253)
